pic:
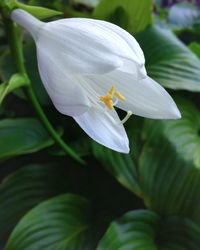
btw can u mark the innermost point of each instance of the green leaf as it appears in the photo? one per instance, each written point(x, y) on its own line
point(134, 230)
point(168, 60)
point(121, 166)
point(195, 48)
point(25, 188)
point(184, 15)
point(169, 166)
point(37, 11)
point(59, 223)
point(133, 16)
point(21, 136)
point(144, 229)
point(16, 81)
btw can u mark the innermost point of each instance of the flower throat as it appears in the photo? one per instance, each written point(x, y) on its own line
point(108, 101)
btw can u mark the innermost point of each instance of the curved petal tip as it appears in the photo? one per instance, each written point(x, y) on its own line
point(175, 114)
point(101, 129)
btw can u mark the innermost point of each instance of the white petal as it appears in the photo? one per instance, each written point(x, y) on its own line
point(101, 129)
point(87, 46)
point(131, 67)
point(30, 23)
point(82, 51)
point(144, 97)
point(67, 96)
point(128, 48)
point(128, 38)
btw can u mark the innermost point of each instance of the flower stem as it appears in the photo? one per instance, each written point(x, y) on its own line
point(17, 54)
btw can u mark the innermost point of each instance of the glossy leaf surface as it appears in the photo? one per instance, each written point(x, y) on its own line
point(59, 223)
point(144, 229)
point(21, 136)
point(168, 60)
point(169, 165)
point(25, 188)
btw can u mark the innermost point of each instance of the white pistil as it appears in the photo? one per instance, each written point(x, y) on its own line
point(129, 113)
point(116, 101)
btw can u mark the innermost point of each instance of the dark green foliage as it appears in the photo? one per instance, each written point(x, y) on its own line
point(168, 60)
point(22, 136)
point(169, 164)
point(59, 223)
point(144, 229)
point(26, 188)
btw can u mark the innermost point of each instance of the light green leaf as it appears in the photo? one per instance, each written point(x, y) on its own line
point(16, 81)
point(169, 166)
point(168, 60)
point(21, 136)
point(25, 188)
point(145, 230)
point(62, 222)
point(37, 11)
point(133, 16)
point(195, 48)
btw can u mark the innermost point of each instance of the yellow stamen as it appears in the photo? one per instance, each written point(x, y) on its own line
point(120, 96)
point(108, 99)
point(111, 91)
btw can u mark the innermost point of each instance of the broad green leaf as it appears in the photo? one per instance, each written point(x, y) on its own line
point(62, 222)
point(145, 230)
point(184, 15)
point(134, 16)
point(123, 166)
point(21, 136)
point(169, 166)
point(168, 60)
point(16, 81)
point(27, 187)
point(37, 11)
point(195, 47)
point(134, 230)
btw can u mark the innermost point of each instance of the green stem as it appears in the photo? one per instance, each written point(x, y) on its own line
point(17, 54)
point(15, 45)
point(30, 93)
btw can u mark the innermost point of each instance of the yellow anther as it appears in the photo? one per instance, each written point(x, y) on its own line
point(108, 99)
point(120, 96)
point(111, 91)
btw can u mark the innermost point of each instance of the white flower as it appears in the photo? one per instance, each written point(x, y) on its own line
point(87, 67)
